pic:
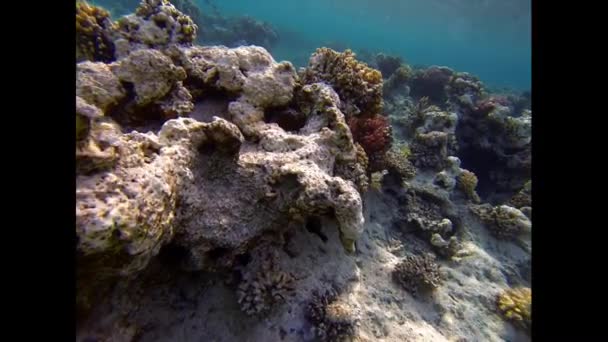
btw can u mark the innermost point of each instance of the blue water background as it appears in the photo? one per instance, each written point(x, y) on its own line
point(488, 38)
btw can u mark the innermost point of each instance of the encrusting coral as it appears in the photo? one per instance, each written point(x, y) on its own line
point(333, 319)
point(417, 274)
point(516, 305)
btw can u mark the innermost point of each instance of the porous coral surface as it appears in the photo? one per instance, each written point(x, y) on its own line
point(222, 196)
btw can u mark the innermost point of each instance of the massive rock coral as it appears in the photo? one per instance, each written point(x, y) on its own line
point(155, 24)
point(230, 190)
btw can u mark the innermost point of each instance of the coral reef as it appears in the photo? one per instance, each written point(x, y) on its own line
point(432, 216)
point(388, 64)
point(333, 319)
point(375, 136)
point(430, 150)
point(396, 163)
point(432, 83)
point(156, 24)
point(523, 198)
point(396, 83)
point(358, 85)
point(516, 306)
point(417, 274)
point(504, 222)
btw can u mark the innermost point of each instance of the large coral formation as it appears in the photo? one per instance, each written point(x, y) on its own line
point(334, 320)
point(359, 86)
point(516, 305)
point(93, 33)
point(503, 221)
point(417, 274)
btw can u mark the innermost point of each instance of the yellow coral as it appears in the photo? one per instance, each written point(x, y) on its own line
point(92, 25)
point(376, 180)
point(468, 182)
point(516, 305)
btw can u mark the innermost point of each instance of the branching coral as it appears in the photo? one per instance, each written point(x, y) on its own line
point(93, 33)
point(259, 292)
point(503, 221)
point(516, 305)
point(375, 136)
point(417, 274)
point(468, 182)
point(359, 86)
point(333, 320)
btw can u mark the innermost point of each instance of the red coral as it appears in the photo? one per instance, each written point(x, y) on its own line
point(373, 133)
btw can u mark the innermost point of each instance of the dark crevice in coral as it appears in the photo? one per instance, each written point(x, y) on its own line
point(172, 255)
point(212, 104)
point(286, 117)
point(481, 162)
point(216, 254)
point(314, 226)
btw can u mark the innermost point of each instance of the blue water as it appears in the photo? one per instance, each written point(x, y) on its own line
point(488, 38)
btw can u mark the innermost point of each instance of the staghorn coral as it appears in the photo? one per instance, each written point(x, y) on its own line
point(332, 319)
point(261, 290)
point(156, 24)
point(417, 274)
point(93, 33)
point(504, 222)
point(359, 86)
point(516, 305)
point(467, 182)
